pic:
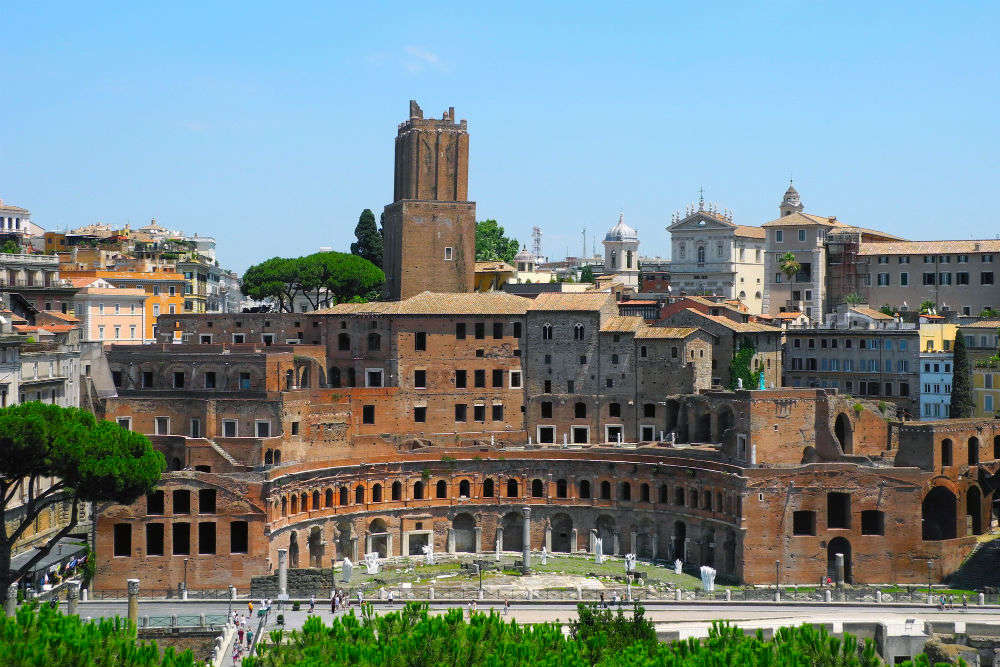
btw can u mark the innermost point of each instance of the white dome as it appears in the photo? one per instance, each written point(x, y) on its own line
point(621, 231)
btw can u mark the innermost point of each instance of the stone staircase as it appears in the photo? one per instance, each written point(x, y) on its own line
point(225, 455)
point(980, 569)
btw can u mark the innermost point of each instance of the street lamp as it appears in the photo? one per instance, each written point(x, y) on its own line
point(185, 577)
point(232, 596)
point(777, 575)
point(930, 565)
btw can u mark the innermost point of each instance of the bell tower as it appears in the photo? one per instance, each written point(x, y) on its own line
point(430, 226)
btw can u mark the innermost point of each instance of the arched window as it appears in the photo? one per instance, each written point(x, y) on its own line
point(334, 376)
point(706, 500)
point(305, 502)
point(644, 493)
point(377, 493)
point(315, 500)
point(605, 490)
point(374, 342)
point(343, 496)
point(488, 488)
point(584, 488)
point(946, 458)
point(625, 492)
point(664, 494)
point(359, 495)
point(614, 257)
point(512, 488)
point(442, 489)
point(397, 491)
point(560, 488)
point(277, 456)
point(343, 342)
point(580, 410)
point(284, 506)
point(295, 504)
point(268, 457)
point(973, 451)
point(537, 489)
point(679, 496)
point(329, 498)
point(628, 259)
point(546, 332)
point(578, 331)
point(463, 489)
point(418, 491)
point(701, 254)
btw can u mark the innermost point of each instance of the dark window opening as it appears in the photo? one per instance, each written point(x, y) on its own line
point(182, 539)
point(154, 503)
point(838, 510)
point(872, 522)
point(804, 522)
point(123, 539)
point(206, 501)
point(605, 490)
point(206, 538)
point(154, 539)
point(182, 502)
point(239, 537)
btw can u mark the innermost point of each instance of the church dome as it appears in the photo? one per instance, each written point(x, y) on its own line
point(791, 196)
point(524, 256)
point(621, 231)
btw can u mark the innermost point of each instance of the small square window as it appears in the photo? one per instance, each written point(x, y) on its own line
point(420, 414)
point(447, 253)
point(368, 414)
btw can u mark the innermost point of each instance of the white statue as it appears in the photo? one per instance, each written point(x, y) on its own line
point(630, 563)
point(372, 562)
point(678, 565)
point(598, 550)
point(707, 578)
point(347, 569)
point(498, 548)
point(545, 556)
point(739, 384)
point(428, 550)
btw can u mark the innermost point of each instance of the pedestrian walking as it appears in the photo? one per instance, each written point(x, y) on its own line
point(361, 597)
point(390, 597)
point(249, 639)
point(240, 633)
point(506, 606)
point(475, 608)
point(250, 607)
point(469, 606)
point(312, 604)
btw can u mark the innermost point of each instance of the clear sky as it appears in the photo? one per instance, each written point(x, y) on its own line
point(271, 126)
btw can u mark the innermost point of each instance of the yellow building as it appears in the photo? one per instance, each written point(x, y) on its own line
point(164, 291)
point(491, 276)
point(986, 388)
point(937, 337)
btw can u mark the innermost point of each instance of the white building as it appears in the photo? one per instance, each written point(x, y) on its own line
point(712, 256)
point(621, 253)
point(935, 384)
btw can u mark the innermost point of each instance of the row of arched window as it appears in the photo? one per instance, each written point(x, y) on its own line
point(374, 342)
point(973, 453)
point(702, 499)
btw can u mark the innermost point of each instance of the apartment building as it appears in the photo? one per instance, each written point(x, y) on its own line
point(164, 291)
point(956, 276)
point(110, 314)
point(936, 356)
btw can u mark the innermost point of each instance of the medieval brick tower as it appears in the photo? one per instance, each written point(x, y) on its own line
point(430, 226)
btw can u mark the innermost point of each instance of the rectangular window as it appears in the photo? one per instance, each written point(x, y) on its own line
point(206, 501)
point(497, 412)
point(986, 278)
point(182, 501)
point(420, 414)
point(517, 329)
point(904, 278)
point(883, 279)
point(547, 387)
point(229, 428)
point(239, 537)
point(480, 329)
point(182, 539)
point(154, 539)
point(988, 403)
point(497, 377)
point(962, 278)
point(178, 379)
point(479, 413)
point(125, 423)
point(838, 510)
point(479, 378)
point(460, 412)
point(872, 522)
point(154, 503)
point(498, 330)
point(546, 410)
point(447, 254)
point(779, 237)
point(804, 522)
point(802, 235)
point(263, 428)
point(460, 379)
point(420, 341)
point(460, 330)
point(570, 386)
point(368, 414)
point(210, 380)
point(123, 539)
point(161, 426)
point(244, 381)
point(929, 278)
point(373, 377)
point(515, 379)
point(195, 428)
point(206, 537)
point(420, 379)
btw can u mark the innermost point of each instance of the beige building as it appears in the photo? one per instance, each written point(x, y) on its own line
point(711, 255)
point(110, 314)
point(958, 276)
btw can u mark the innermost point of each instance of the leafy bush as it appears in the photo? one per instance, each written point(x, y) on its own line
point(858, 408)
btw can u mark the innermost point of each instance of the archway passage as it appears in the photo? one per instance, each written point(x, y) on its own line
point(293, 550)
point(379, 533)
point(512, 524)
point(839, 545)
point(315, 547)
point(562, 533)
point(464, 531)
point(974, 509)
point(845, 433)
point(606, 531)
point(703, 432)
point(679, 537)
point(726, 421)
point(938, 514)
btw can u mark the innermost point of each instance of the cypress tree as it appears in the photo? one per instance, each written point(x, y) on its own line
point(962, 402)
point(369, 243)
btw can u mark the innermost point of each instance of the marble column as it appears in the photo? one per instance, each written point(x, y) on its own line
point(10, 607)
point(573, 543)
point(478, 532)
point(614, 550)
point(388, 546)
point(354, 549)
point(451, 540)
point(593, 540)
point(282, 574)
point(656, 546)
point(526, 536)
point(635, 543)
point(133, 602)
point(548, 538)
point(839, 560)
point(72, 596)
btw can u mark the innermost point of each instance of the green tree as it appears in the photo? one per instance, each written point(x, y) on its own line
point(587, 274)
point(739, 367)
point(281, 279)
point(788, 265)
point(89, 461)
point(369, 243)
point(988, 312)
point(491, 244)
point(927, 307)
point(962, 402)
point(887, 310)
point(853, 298)
point(10, 247)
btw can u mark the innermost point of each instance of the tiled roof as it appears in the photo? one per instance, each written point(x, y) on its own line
point(739, 327)
point(801, 219)
point(430, 303)
point(665, 332)
point(783, 316)
point(490, 267)
point(568, 301)
point(870, 312)
point(982, 324)
point(623, 323)
point(83, 282)
point(929, 247)
point(752, 232)
point(637, 302)
point(61, 316)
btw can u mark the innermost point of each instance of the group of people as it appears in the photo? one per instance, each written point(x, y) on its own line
point(244, 633)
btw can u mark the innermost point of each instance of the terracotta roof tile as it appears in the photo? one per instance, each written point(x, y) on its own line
point(568, 301)
point(929, 247)
point(871, 312)
point(61, 316)
point(430, 303)
point(623, 323)
point(981, 324)
point(665, 332)
point(748, 231)
point(739, 327)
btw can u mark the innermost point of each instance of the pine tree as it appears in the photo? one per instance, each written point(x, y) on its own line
point(962, 402)
point(369, 243)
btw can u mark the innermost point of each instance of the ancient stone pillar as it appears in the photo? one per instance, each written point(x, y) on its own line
point(548, 538)
point(451, 540)
point(615, 545)
point(634, 546)
point(656, 546)
point(499, 538)
point(72, 596)
point(354, 549)
point(10, 608)
point(388, 546)
point(282, 574)
point(839, 559)
point(573, 544)
point(133, 601)
point(478, 532)
point(526, 537)
point(593, 540)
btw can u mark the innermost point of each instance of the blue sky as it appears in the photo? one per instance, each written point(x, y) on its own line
point(271, 126)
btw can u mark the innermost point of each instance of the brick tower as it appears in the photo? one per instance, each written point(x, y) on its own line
point(430, 226)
